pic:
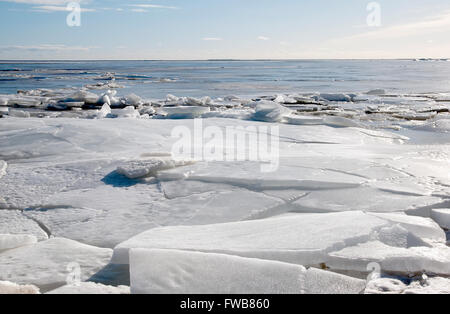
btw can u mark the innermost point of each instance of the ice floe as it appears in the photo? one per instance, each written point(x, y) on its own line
point(344, 241)
point(149, 167)
point(3, 167)
point(442, 217)
point(47, 264)
point(9, 241)
point(181, 272)
point(90, 288)
point(14, 222)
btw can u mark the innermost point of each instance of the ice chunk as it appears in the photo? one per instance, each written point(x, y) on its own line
point(341, 122)
point(133, 100)
point(104, 112)
point(385, 286)
point(301, 239)
point(180, 272)
point(185, 112)
point(149, 167)
point(48, 264)
point(336, 97)
point(90, 288)
point(376, 92)
point(127, 112)
point(442, 217)
point(15, 222)
point(268, 111)
point(18, 113)
point(415, 260)
point(3, 166)
point(7, 287)
point(9, 241)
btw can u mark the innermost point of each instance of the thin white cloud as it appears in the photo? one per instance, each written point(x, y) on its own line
point(212, 39)
point(264, 38)
point(54, 8)
point(154, 6)
point(42, 2)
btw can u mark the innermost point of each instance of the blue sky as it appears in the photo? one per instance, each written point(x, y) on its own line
point(211, 29)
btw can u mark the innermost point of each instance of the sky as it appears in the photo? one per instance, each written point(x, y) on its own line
point(225, 29)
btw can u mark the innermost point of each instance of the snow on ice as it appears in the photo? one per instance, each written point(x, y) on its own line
point(182, 272)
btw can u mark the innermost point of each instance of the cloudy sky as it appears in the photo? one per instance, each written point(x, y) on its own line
point(225, 29)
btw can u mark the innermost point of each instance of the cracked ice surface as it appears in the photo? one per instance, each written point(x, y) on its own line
point(338, 197)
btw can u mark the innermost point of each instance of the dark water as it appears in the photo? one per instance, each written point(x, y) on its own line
point(155, 79)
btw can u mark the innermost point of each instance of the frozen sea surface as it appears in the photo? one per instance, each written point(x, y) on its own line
point(361, 179)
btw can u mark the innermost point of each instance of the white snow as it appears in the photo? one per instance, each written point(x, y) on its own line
point(9, 241)
point(442, 217)
point(90, 288)
point(47, 264)
point(182, 272)
point(7, 287)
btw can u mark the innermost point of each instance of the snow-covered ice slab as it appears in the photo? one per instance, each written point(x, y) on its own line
point(15, 222)
point(46, 264)
point(442, 217)
point(7, 287)
point(395, 260)
point(309, 240)
point(149, 167)
point(9, 241)
point(90, 288)
point(181, 272)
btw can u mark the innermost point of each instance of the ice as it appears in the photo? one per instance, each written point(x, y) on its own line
point(128, 112)
point(18, 113)
point(345, 241)
point(104, 112)
point(181, 272)
point(90, 288)
point(14, 222)
point(406, 261)
point(336, 97)
point(149, 167)
point(301, 239)
point(7, 287)
point(268, 111)
point(376, 92)
point(3, 166)
point(8, 241)
point(303, 120)
point(442, 217)
point(386, 285)
point(48, 264)
point(133, 100)
point(341, 122)
point(185, 112)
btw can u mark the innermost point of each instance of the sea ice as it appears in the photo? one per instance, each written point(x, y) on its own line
point(268, 111)
point(9, 241)
point(178, 272)
point(104, 112)
point(3, 166)
point(345, 241)
point(14, 222)
point(442, 217)
point(149, 167)
point(7, 287)
point(185, 112)
point(90, 288)
point(50, 264)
